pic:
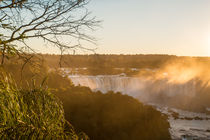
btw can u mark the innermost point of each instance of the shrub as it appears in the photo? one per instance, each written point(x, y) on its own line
point(31, 114)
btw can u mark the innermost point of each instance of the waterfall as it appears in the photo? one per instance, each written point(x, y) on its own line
point(126, 85)
point(166, 96)
point(138, 87)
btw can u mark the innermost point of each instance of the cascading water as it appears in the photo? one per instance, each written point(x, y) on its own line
point(140, 88)
point(155, 91)
point(125, 85)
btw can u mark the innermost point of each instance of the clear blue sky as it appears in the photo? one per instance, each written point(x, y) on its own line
point(180, 27)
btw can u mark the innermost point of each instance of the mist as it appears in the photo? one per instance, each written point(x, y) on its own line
point(180, 82)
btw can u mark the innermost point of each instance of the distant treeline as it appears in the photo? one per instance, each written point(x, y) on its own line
point(112, 64)
point(108, 61)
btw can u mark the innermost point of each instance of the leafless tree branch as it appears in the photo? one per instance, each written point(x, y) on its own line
point(47, 20)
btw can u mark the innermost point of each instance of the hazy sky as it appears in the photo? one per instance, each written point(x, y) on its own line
point(180, 27)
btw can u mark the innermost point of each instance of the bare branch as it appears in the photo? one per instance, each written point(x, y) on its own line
point(48, 20)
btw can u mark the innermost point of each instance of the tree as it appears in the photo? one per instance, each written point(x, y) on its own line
point(49, 20)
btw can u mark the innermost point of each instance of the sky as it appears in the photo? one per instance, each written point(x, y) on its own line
point(177, 27)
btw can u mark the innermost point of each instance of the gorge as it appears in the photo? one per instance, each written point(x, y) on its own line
point(177, 100)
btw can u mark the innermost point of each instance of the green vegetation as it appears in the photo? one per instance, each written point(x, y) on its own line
point(112, 116)
point(108, 61)
point(115, 64)
point(29, 110)
point(31, 114)
point(36, 112)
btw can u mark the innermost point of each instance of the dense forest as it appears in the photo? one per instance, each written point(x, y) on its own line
point(108, 61)
point(37, 94)
point(46, 104)
point(112, 116)
point(101, 64)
